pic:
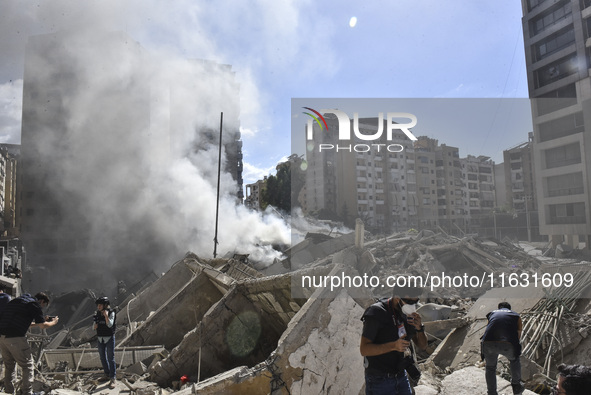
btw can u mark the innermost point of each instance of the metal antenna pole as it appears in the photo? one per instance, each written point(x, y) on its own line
point(217, 207)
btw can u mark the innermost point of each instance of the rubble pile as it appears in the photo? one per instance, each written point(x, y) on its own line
point(427, 251)
point(230, 326)
point(552, 326)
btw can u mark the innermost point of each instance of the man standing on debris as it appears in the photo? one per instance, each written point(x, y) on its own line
point(104, 325)
point(388, 327)
point(573, 380)
point(15, 320)
point(501, 337)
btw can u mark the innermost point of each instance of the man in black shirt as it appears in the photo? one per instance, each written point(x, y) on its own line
point(15, 320)
point(388, 327)
point(501, 337)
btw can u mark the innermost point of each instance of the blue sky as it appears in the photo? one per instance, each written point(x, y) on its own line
point(302, 49)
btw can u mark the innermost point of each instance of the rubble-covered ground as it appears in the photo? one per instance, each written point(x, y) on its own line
point(230, 326)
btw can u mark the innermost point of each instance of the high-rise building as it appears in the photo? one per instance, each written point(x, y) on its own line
point(357, 180)
point(439, 184)
point(557, 41)
point(520, 192)
point(9, 194)
point(478, 173)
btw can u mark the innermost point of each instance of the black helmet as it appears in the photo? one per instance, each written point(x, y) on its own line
point(102, 300)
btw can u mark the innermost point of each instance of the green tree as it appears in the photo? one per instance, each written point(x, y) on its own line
point(278, 190)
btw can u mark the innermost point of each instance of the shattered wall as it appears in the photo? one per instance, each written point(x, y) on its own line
point(241, 329)
point(183, 311)
point(139, 307)
point(318, 352)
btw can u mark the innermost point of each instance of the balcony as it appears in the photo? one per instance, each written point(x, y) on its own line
point(566, 192)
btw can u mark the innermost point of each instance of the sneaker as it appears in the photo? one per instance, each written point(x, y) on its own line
point(112, 384)
point(103, 379)
point(518, 388)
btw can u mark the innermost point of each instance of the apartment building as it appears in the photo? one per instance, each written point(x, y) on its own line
point(479, 189)
point(9, 196)
point(254, 193)
point(518, 167)
point(359, 180)
point(557, 38)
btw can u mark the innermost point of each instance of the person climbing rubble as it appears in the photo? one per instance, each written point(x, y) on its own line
point(16, 318)
point(389, 325)
point(502, 337)
point(105, 326)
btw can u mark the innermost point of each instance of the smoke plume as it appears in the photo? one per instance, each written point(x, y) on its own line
point(125, 139)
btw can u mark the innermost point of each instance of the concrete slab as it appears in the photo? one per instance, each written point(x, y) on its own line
point(152, 298)
point(181, 313)
point(240, 329)
point(471, 381)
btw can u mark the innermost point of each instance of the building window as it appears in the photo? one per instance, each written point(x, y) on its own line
point(566, 213)
point(561, 127)
point(563, 156)
point(553, 44)
point(557, 99)
point(550, 17)
point(556, 71)
point(564, 185)
point(534, 3)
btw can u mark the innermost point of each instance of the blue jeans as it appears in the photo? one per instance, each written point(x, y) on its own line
point(390, 385)
point(107, 354)
point(491, 351)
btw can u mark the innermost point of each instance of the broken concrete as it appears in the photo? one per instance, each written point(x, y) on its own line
point(88, 358)
point(308, 251)
point(232, 330)
point(317, 353)
point(462, 346)
point(471, 381)
point(241, 329)
point(182, 312)
point(139, 307)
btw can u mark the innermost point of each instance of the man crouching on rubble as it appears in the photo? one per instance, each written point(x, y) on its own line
point(16, 318)
point(501, 337)
point(104, 325)
point(388, 327)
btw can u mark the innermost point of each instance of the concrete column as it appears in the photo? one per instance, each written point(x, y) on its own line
point(359, 233)
point(572, 241)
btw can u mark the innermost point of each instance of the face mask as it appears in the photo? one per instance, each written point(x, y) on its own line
point(408, 309)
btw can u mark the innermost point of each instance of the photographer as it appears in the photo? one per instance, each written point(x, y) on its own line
point(104, 324)
point(388, 327)
point(17, 317)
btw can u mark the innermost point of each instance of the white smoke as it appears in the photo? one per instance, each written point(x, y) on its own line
point(134, 164)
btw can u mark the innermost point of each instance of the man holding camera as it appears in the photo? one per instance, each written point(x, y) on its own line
point(104, 325)
point(388, 327)
point(18, 315)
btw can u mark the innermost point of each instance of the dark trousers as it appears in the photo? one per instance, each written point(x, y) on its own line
point(387, 384)
point(491, 351)
point(107, 354)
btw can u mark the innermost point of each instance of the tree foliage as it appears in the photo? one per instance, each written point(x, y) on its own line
point(278, 190)
point(282, 190)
